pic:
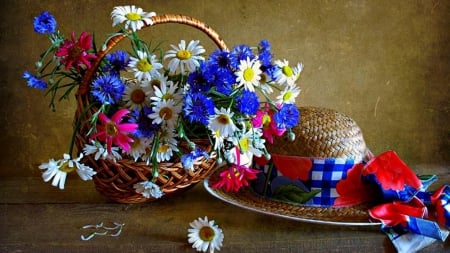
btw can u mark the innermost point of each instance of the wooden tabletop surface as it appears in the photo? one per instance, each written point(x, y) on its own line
point(36, 217)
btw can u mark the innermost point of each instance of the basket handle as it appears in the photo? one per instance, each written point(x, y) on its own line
point(159, 19)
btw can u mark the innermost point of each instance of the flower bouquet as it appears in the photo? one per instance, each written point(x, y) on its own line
point(152, 121)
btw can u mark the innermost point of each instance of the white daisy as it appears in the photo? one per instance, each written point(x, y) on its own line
point(139, 147)
point(58, 170)
point(204, 235)
point(264, 84)
point(157, 81)
point(288, 95)
point(222, 122)
point(85, 172)
point(52, 170)
point(100, 151)
point(136, 95)
point(145, 68)
point(134, 17)
point(285, 74)
point(167, 145)
point(165, 112)
point(167, 91)
point(249, 74)
point(252, 143)
point(185, 57)
point(148, 189)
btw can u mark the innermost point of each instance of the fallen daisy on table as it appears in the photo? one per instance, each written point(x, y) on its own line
point(203, 234)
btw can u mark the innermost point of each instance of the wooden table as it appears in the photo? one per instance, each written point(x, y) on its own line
point(36, 217)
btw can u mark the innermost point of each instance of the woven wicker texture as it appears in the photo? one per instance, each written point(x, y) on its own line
point(323, 133)
point(115, 180)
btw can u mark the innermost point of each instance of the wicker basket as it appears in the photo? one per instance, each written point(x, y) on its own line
point(115, 180)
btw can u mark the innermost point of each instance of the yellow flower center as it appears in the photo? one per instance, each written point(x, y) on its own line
point(136, 143)
point(248, 74)
point(184, 54)
point(243, 144)
point(206, 233)
point(266, 120)
point(65, 167)
point(137, 96)
point(163, 148)
point(223, 119)
point(167, 96)
point(144, 66)
point(165, 113)
point(287, 96)
point(111, 129)
point(132, 16)
point(287, 71)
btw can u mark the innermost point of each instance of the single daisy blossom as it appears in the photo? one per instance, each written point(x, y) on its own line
point(145, 67)
point(222, 122)
point(204, 235)
point(185, 57)
point(288, 95)
point(165, 112)
point(97, 149)
point(285, 74)
point(148, 189)
point(139, 147)
point(249, 74)
point(134, 17)
point(167, 145)
point(136, 95)
point(166, 91)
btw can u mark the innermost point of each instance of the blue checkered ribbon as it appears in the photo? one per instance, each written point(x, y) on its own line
point(325, 174)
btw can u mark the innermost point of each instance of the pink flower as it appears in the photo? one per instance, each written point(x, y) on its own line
point(75, 53)
point(235, 177)
point(114, 132)
point(264, 119)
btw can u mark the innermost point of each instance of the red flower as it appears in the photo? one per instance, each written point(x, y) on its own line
point(114, 132)
point(264, 119)
point(75, 53)
point(235, 177)
point(352, 190)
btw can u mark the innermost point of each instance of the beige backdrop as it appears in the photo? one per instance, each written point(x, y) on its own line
point(384, 63)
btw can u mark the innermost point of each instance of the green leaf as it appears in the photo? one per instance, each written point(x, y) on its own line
point(292, 193)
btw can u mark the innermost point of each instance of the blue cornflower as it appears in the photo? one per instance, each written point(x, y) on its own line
point(222, 80)
point(197, 80)
point(264, 54)
point(188, 159)
point(219, 61)
point(33, 81)
point(146, 128)
point(45, 23)
point(107, 89)
point(247, 102)
point(241, 52)
point(117, 61)
point(287, 117)
point(198, 108)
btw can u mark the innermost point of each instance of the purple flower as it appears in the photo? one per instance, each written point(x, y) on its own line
point(45, 23)
point(240, 53)
point(117, 61)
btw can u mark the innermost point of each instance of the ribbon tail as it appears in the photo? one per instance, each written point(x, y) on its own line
point(427, 228)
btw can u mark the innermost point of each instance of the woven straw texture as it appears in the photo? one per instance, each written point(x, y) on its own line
point(323, 132)
point(115, 180)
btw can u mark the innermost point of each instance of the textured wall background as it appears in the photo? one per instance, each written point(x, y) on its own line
point(384, 63)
